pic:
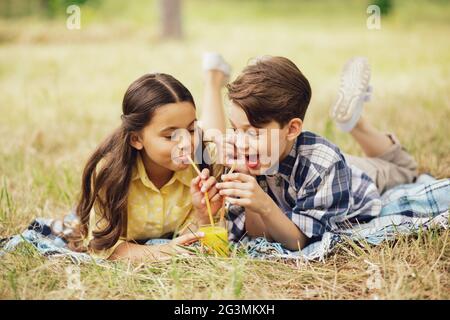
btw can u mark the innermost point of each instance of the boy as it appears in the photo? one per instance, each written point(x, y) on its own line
point(308, 186)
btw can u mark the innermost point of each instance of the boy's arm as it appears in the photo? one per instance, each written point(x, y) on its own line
point(244, 190)
point(255, 226)
point(317, 206)
point(282, 229)
point(270, 223)
point(323, 201)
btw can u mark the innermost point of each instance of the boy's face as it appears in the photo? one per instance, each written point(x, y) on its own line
point(258, 149)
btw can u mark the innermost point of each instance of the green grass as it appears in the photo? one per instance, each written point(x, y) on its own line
point(61, 94)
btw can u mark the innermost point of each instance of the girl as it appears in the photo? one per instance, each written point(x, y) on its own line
point(138, 183)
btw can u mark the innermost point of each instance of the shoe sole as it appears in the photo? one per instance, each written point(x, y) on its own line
point(214, 61)
point(355, 80)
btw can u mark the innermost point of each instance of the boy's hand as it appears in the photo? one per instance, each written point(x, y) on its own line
point(199, 185)
point(227, 153)
point(251, 195)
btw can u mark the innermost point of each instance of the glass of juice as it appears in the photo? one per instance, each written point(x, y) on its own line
point(215, 240)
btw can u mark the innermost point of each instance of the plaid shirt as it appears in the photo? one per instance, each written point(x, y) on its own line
point(316, 189)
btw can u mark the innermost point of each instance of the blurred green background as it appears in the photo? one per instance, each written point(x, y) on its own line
point(61, 90)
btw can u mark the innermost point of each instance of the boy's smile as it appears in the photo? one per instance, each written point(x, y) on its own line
point(258, 149)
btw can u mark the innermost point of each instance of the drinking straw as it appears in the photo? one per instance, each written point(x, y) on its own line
point(222, 211)
point(208, 205)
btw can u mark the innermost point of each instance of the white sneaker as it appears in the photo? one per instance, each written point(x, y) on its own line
point(353, 92)
point(214, 61)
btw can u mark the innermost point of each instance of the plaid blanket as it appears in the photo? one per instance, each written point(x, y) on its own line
point(406, 210)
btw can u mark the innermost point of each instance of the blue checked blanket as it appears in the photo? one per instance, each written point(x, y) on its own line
point(406, 209)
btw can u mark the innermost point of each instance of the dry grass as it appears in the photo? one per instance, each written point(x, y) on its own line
point(412, 268)
point(61, 93)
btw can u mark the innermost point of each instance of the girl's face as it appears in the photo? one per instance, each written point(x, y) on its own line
point(169, 137)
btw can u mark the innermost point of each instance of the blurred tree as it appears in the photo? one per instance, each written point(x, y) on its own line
point(9, 8)
point(55, 7)
point(385, 6)
point(170, 15)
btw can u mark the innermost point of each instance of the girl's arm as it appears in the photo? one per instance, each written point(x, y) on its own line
point(137, 252)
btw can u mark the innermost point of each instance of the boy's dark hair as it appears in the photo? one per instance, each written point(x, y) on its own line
point(271, 88)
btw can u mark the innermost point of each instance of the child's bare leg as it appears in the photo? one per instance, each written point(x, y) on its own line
point(213, 117)
point(354, 91)
point(373, 142)
point(387, 163)
point(213, 113)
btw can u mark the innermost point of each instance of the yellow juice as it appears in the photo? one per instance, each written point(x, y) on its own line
point(215, 239)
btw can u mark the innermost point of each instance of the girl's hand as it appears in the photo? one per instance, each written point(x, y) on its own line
point(251, 195)
point(174, 245)
point(166, 251)
point(199, 185)
point(138, 252)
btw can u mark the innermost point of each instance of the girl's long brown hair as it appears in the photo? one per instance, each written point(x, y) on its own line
point(107, 187)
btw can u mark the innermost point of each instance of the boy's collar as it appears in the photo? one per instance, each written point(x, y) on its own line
point(285, 166)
